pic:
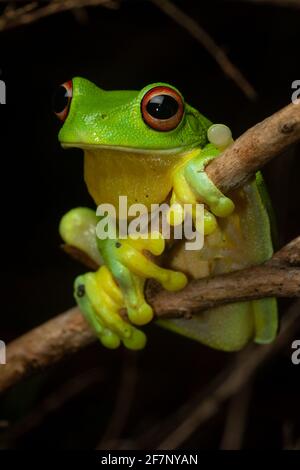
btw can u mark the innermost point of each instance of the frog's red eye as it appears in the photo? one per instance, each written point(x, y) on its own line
point(62, 99)
point(162, 108)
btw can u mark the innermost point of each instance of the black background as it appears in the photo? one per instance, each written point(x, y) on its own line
point(127, 49)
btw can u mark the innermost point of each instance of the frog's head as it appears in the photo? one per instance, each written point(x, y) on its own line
point(132, 140)
point(155, 118)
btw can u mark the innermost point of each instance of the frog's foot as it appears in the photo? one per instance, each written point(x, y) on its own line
point(220, 137)
point(181, 207)
point(100, 300)
point(191, 183)
point(184, 199)
point(204, 188)
point(131, 267)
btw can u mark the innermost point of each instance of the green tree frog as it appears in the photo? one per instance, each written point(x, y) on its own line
point(151, 146)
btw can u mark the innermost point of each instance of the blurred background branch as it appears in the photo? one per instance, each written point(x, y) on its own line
point(199, 33)
point(247, 363)
point(14, 16)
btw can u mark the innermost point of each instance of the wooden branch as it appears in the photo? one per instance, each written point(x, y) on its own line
point(255, 148)
point(69, 332)
point(45, 345)
point(280, 276)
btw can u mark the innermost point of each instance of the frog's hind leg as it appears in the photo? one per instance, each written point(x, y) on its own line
point(100, 300)
point(265, 320)
point(230, 327)
point(227, 328)
point(97, 294)
point(130, 265)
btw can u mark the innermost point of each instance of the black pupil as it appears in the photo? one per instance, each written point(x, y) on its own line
point(60, 99)
point(162, 107)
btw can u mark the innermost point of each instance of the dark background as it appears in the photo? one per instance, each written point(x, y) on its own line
point(70, 405)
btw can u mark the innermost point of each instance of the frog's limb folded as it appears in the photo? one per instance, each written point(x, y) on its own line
point(142, 266)
point(191, 183)
point(265, 320)
point(130, 266)
point(119, 284)
point(205, 190)
point(100, 300)
point(181, 195)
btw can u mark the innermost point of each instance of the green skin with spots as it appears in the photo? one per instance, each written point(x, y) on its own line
point(112, 121)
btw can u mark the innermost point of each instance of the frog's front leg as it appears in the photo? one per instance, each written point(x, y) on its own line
point(191, 183)
point(119, 283)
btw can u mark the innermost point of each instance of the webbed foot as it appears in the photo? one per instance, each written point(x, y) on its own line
point(130, 266)
point(100, 300)
point(191, 183)
point(120, 283)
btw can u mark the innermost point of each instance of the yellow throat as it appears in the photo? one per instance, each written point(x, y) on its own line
point(143, 177)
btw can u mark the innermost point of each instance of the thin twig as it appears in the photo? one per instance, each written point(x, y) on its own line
point(247, 363)
point(32, 12)
point(288, 435)
point(52, 403)
point(235, 425)
point(124, 401)
point(280, 3)
point(297, 445)
point(208, 43)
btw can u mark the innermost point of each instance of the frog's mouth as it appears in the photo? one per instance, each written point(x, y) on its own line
point(123, 149)
point(144, 176)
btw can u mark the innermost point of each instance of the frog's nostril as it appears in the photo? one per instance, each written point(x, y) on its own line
point(81, 290)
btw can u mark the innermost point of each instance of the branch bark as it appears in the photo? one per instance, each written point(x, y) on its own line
point(256, 147)
point(280, 276)
point(69, 332)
